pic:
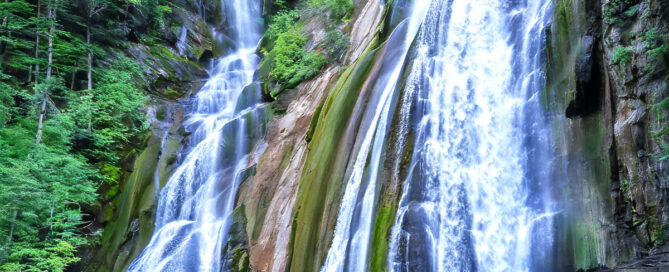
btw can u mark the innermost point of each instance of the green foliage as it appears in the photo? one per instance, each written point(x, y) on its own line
point(42, 187)
point(287, 52)
point(617, 10)
point(340, 10)
point(7, 94)
point(154, 14)
point(281, 4)
point(656, 49)
point(657, 235)
point(281, 22)
point(117, 114)
point(287, 61)
point(336, 44)
point(655, 57)
point(53, 257)
point(307, 67)
point(292, 64)
point(11, 42)
point(652, 38)
point(631, 11)
point(622, 55)
point(661, 110)
point(47, 188)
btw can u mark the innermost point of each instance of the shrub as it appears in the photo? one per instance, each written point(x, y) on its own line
point(631, 11)
point(615, 8)
point(292, 64)
point(652, 39)
point(281, 22)
point(340, 10)
point(287, 52)
point(622, 55)
point(336, 44)
point(655, 57)
point(656, 48)
point(287, 61)
point(309, 66)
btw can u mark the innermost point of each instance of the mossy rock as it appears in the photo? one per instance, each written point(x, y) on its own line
point(235, 255)
point(385, 218)
point(133, 204)
point(321, 179)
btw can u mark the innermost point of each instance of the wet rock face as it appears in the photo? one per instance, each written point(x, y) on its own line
point(639, 85)
point(589, 85)
point(235, 254)
point(606, 78)
point(417, 257)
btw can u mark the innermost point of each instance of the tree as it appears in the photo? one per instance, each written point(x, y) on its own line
point(93, 8)
point(49, 182)
point(52, 9)
point(12, 27)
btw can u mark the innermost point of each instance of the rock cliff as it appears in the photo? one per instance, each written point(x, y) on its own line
point(607, 89)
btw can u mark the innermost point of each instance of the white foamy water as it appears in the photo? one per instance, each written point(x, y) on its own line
point(467, 204)
point(195, 206)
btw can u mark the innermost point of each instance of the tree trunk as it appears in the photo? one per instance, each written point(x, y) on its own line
point(40, 125)
point(53, 207)
point(39, 12)
point(74, 75)
point(52, 27)
point(11, 228)
point(90, 56)
point(5, 32)
point(90, 68)
point(90, 65)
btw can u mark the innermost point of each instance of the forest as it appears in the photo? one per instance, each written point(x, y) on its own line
point(72, 101)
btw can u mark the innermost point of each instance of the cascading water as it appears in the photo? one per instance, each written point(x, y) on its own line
point(473, 197)
point(351, 241)
point(182, 44)
point(226, 119)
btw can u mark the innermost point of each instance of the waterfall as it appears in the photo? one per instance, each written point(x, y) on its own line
point(225, 121)
point(474, 198)
point(351, 240)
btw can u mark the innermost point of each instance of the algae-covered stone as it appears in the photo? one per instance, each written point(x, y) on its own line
point(235, 255)
point(321, 180)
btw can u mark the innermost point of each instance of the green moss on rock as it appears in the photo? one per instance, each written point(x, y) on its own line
point(323, 171)
point(134, 202)
point(314, 123)
point(385, 218)
point(235, 256)
point(583, 240)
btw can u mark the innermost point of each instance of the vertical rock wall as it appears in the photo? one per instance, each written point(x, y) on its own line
point(606, 105)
